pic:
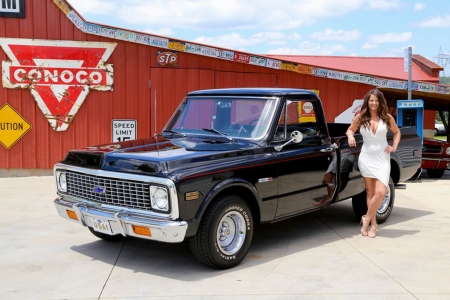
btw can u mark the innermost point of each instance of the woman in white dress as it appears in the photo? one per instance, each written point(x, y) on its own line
point(373, 123)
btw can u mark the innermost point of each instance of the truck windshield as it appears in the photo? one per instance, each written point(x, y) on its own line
point(247, 117)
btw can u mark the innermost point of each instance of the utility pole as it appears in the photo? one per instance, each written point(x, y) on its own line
point(407, 66)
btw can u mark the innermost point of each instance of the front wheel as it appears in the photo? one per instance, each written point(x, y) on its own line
point(225, 233)
point(435, 173)
point(383, 212)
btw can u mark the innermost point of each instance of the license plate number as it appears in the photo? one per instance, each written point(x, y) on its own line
point(101, 225)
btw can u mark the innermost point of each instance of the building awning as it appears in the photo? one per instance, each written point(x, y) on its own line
point(432, 101)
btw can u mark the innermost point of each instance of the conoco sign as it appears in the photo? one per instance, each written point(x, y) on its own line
point(59, 74)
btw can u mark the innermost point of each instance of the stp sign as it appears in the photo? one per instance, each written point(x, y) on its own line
point(167, 59)
point(59, 74)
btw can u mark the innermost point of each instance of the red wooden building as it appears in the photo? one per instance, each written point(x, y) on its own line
point(68, 79)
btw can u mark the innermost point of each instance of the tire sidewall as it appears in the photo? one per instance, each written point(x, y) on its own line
point(360, 205)
point(435, 173)
point(237, 205)
point(382, 217)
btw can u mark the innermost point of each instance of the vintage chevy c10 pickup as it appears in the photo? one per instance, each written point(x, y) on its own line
point(228, 159)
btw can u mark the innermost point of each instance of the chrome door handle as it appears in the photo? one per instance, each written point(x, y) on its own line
point(330, 149)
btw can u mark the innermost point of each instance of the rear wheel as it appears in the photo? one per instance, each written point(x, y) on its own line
point(435, 173)
point(107, 237)
point(383, 212)
point(225, 233)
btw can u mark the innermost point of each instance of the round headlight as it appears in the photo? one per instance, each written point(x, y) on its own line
point(62, 181)
point(447, 150)
point(159, 198)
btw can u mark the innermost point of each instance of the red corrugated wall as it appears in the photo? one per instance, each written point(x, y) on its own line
point(137, 81)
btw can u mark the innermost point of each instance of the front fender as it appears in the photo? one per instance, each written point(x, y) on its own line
point(232, 185)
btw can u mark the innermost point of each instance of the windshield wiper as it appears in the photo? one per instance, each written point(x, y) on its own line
point(217, 132)
point(174, 132)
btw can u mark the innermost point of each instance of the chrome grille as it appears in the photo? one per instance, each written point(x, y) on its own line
point(432, 149)
point(119, 192)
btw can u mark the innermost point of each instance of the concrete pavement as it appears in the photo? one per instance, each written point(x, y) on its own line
point(320, 255)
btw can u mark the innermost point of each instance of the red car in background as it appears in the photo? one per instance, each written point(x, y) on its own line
point(435, 157)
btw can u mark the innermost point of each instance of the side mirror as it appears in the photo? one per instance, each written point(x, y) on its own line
point(296, 137)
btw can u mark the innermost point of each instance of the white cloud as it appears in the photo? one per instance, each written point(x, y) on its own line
point(383, 4)
point(213, 14)
point(419, 6)
point(166, 31)
point(369, 46)
point(440, 21)
point(231, 41)
point(336, 35)
point(395, 52)
point(91, 6)
point(308, 48)
point(391, 37)
point(236, 40)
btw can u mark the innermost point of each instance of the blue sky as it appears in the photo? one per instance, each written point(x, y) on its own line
point(302, 27)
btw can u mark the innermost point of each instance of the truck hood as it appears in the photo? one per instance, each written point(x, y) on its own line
point(159, 156)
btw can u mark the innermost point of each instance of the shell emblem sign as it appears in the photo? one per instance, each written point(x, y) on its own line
point(59, 74)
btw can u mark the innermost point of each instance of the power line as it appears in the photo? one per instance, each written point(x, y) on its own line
point(442, 59)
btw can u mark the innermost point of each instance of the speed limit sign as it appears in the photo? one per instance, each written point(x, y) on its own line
point(124, 130)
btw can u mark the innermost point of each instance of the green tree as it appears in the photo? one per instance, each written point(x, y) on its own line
point(444, 80)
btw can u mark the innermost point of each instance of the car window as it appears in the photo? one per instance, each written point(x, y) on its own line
point(298, 115)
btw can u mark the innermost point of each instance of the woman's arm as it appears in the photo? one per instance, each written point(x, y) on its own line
point(397, 135)
point(352, 129)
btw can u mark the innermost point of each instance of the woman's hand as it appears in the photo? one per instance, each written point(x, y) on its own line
point(389, 149)
point(351, 141)
point(351, 131)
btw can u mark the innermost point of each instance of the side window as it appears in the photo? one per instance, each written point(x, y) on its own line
point(297, 115)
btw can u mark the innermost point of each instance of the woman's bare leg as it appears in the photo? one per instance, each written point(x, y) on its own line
point(374, 204)
point(370, 193)
point(373, 228)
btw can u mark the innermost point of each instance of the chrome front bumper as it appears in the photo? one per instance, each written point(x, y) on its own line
point(121, 220)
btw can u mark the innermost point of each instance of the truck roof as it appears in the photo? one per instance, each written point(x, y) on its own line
point(252, 92)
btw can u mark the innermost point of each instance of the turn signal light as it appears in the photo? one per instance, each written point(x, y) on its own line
point(72, 215)
point(142, 230)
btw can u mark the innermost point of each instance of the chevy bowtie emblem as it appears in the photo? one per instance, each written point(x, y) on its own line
point(99, 189)
point(59, 74)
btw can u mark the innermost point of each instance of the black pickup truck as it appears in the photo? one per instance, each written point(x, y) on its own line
point(228, 159)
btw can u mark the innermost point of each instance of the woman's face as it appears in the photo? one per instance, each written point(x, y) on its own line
point(373, 103)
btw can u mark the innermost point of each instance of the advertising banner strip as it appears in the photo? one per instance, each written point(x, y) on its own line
point(258, 61)
point(239, 57)
point(62, 6)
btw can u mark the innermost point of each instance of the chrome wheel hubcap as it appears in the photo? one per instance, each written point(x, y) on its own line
point(231, 233)
point(386, 201)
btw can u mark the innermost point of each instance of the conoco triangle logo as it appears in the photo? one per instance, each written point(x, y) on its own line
point(59, 74)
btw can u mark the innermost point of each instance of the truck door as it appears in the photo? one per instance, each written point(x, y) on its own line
point(302, 184)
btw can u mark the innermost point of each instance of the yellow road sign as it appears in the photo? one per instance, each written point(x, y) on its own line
point(12, 126)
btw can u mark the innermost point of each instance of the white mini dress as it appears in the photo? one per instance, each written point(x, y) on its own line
point(373, 161)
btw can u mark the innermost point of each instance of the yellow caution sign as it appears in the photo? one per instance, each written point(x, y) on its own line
point(12, 126)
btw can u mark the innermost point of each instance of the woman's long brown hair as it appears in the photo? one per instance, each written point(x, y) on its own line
point(383, 110)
